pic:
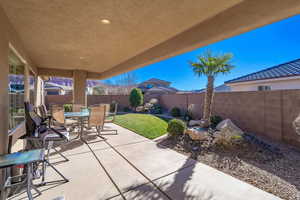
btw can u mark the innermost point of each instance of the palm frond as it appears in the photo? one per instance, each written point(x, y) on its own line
point(211, 65)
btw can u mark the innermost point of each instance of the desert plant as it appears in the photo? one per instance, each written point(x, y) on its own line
point(175, 112)
point(68, 107)
point(210, 65)
point(136, 98)
point(156, 109)
point(176, 127)
point(215, 120)
point(126, 109)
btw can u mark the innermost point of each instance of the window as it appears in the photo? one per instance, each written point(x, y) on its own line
point(263, 87)
point(16, 91)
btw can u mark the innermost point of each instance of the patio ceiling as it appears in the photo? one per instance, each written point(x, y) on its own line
point(68, 35)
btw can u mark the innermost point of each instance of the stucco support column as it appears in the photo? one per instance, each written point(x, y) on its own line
point(79, 87)
point(4, 100)
point(38, 91)
point(26, 84)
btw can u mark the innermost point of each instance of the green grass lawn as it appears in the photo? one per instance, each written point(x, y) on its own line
point(146, 125)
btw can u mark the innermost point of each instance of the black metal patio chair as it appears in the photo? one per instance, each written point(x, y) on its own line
point(39, 135)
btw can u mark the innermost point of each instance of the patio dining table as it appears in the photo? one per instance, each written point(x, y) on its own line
point(80, 116)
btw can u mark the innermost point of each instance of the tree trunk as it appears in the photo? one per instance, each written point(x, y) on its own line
point(208, 100)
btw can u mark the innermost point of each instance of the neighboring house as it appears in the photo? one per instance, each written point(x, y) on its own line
point(153, 88)
point(54, 89)
point(65, 85)
point(280, 77)
point(16, 83)
point(154, 85)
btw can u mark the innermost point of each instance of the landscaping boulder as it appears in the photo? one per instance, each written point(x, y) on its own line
point(296, 125)
point(197, 134)
point(140, 109)
point(227, 127)
point(194, 122)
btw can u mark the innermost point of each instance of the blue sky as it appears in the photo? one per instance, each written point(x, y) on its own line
point(255, 50)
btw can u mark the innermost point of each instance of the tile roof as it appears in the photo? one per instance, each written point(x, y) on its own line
point(156, 80)
point(288, 69)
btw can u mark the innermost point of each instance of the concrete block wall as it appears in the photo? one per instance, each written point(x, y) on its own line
point(267, 114)
point(122, 100)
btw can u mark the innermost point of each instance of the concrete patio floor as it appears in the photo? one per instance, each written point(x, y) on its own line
point(129, 166)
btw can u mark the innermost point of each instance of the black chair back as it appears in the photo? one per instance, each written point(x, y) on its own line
point(33, 121)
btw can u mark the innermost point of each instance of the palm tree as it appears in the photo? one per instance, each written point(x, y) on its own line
point(210, 65)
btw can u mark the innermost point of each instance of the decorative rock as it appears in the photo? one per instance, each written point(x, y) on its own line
point(229, 128)
point(197, 134)
point(194, 122)
point(140, 109)
point(204, 123)
point(296, 125)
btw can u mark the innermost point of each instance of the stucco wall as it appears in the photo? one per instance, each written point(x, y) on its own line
point(275, 85)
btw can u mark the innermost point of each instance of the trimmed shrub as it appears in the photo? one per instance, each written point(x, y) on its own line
point(176, 127)
point(68, 107)
point(175, 112)
point(136, 97)
point(215, 120)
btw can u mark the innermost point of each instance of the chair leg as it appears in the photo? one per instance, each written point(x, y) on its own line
point(110, 130)
point(56, 170)
point(29, 183)
point(99, 133)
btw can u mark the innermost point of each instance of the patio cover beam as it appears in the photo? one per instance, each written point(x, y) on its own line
point(65, 73)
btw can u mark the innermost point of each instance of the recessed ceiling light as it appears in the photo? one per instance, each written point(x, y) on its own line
point(105, 21)
point(81, 58)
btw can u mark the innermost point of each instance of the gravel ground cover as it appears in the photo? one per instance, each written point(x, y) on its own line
point(277, 173)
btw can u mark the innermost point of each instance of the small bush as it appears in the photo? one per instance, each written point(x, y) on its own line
point(176, 127)
point(175, 112)
point(68, 107)
point(215, 120)
point(156, 109)
point(136, 97)
point(126, 109)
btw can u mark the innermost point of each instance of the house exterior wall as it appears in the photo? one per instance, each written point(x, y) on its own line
point(4, 101)
point(283, 84)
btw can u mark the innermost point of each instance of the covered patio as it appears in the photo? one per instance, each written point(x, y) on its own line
point(101, 39)
point(129, 166)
